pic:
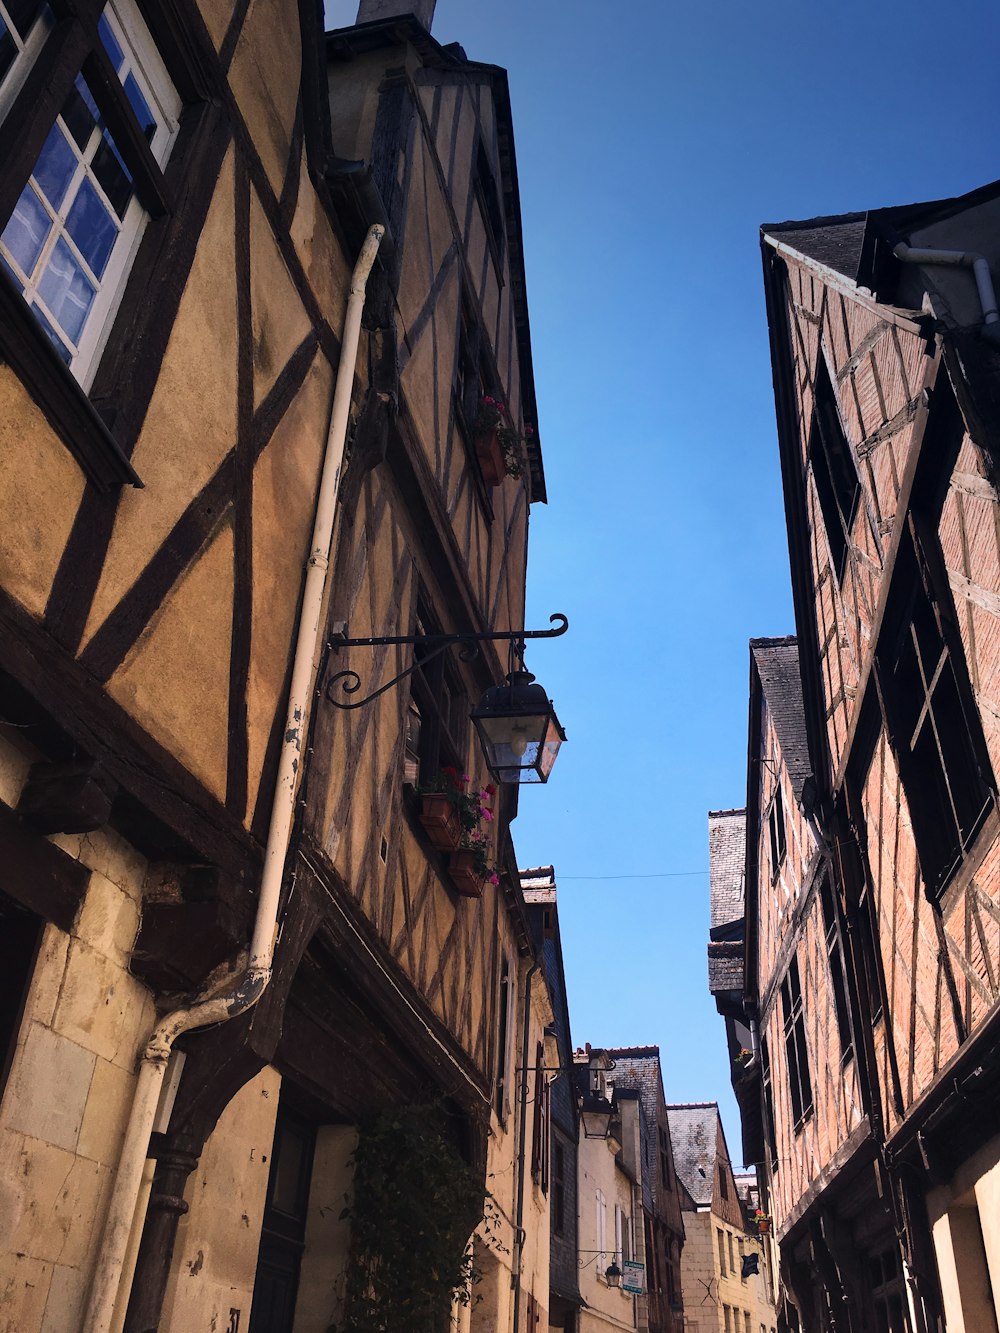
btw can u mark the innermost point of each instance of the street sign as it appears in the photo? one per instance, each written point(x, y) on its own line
point(633, 1276)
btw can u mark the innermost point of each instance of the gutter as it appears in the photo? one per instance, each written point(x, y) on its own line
point(907, 254)
point(109, 1293)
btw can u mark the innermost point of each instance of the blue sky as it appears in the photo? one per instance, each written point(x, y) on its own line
point(652, 141)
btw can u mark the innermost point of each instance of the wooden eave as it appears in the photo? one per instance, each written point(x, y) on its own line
point(751, 900)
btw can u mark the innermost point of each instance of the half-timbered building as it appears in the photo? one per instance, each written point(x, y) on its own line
point(185, 192)
point(873, 922)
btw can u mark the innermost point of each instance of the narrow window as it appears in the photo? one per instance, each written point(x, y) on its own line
point(503, 1039)
point(541, 1123)
point(834, 472)
point(720, 1237)
point(619, 1234)
point(601, 1230)
point(723, 1183)
point(769, 1129)
point(438, 716)
point(732, 1261)
point(776, 828)
point(664, 1158)
point(835, 955)
point(558, 1189)
point(796, 1052)
point(489, 203)
point(937, 734)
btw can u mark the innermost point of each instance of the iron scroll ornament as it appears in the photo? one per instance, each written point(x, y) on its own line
point(349, 682)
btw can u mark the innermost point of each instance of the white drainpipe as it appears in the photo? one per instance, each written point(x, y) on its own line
point(245, 994)
point(958, 259)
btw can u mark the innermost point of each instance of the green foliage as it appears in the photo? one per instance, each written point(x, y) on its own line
point(416, 1202)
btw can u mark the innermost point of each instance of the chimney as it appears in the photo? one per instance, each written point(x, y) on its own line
point(370, 11)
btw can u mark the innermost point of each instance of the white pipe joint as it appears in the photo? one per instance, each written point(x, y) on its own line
point(908, 254)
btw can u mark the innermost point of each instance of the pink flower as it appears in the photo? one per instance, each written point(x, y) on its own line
point(486, 813)
point(494, 878)
point(465, 777)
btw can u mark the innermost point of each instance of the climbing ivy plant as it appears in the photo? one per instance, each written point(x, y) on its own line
point(415, 1203)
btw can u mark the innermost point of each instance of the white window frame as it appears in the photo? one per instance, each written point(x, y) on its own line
point(143, 61)
point(13, 80)
point(602, 1232)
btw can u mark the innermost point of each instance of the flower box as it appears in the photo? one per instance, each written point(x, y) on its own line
point(440, 818)
point(467, 879)
point(490, 453)
point(764, 1226)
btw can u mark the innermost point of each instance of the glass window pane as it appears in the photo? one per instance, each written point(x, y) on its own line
point(80, 112)
point(55, 166)
point(92, 227)
point(112, 176)
point(147, 122)
point(25, 233)
point(110, 42)
point(67, 291)
point(53, 337)
point(23, 14)
point(8, 48)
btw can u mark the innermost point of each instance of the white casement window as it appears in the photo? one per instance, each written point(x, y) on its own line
point(601, 1231)
point(76, 227)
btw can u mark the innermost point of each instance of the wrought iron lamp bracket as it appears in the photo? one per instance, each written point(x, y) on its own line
point(349, 682)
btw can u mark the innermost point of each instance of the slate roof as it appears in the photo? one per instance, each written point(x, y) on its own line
point(693, 1138)
point(638, 1068)
point(538, 884)
point(834, 242)
point(727, 840)
point(777, 662)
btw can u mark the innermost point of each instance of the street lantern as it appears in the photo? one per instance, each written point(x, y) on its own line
point(518, 729)
point(613, 1274)
point(596, 1113)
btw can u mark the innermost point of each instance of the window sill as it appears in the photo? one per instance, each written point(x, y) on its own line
point(68, 410)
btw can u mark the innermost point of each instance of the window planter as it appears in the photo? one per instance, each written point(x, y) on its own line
point(764, 1226)
point(491, 457)
point(440, 820)
point(464, 875)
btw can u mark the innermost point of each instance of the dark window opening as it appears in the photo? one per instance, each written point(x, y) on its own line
point(541, 1126)
point(437, 721)
point(936, 734)
point(503, 1038)
point(765, 1069)
point(723, 1183)
point(776, 829)
point(838, 975)
point(559, 1189)
point(796, 1052)
point(664, 1158)
point(283, 1233)
point(20, 937)
point(489, 202)
point(834, 472)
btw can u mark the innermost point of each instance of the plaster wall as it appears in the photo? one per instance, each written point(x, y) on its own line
point(965, 1225)
point(598, 1170)
point(320, 1300)
point(215, 1257)
point(496, 1251)
point(62, 1117)
point(708, 1287)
